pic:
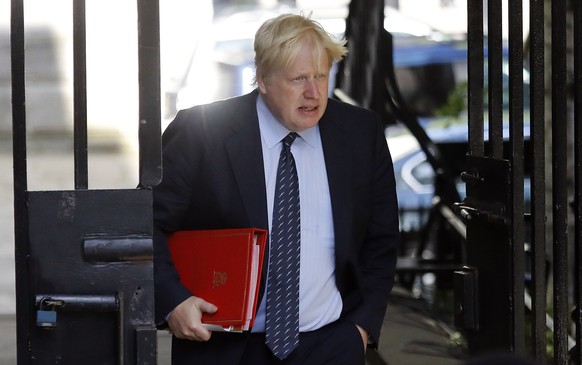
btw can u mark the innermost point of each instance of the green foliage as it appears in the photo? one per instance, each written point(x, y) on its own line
point(456, 102)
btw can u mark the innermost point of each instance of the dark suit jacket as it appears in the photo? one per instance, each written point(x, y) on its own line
point(213, 178)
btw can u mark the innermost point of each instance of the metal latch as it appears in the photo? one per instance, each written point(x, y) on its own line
point(490, 213)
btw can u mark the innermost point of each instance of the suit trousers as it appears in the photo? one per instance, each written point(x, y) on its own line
point(338, 343)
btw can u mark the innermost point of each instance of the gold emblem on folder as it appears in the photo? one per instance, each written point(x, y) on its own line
point(219, 279)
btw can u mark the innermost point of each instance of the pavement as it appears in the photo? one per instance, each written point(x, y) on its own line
point(411, 333)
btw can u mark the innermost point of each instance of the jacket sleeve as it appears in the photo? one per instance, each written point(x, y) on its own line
point(171, 199)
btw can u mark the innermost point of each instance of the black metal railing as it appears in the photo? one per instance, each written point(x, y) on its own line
point(563, 298)
point(532, 243)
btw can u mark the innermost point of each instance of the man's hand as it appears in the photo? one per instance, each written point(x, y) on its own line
point(364, 334)
point(185, 319)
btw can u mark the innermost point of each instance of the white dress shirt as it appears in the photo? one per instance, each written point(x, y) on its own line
point(320, 302)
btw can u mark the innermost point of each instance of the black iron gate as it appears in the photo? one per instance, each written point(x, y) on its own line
point(516, 255)
point(84, 272)
point(505, 243)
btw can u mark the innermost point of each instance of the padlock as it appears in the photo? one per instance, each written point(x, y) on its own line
point(46, 316)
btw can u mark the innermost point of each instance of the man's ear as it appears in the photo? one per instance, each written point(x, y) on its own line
point(261, 85)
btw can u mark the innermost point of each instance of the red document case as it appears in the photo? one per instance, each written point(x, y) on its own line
point(222, 267)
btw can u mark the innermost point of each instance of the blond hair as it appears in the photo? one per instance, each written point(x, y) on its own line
point(278, 41)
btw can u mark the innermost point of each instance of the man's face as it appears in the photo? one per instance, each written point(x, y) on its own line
point(297, 96)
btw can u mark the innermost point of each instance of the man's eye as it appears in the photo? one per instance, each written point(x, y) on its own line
point(299, 78)
point(319, 76)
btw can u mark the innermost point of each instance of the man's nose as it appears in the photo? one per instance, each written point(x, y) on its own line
point(311, 89)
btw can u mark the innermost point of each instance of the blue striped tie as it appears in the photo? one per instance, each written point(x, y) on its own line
point(282, 322)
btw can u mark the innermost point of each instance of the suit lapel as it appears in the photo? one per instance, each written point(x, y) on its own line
point(338, 161)
point(244, 151)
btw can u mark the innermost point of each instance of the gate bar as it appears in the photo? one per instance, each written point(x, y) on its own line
point(18, 99)
point(80, 94)
point(475, 65)
point(559, 182)
point(150, 153)
point(516, 153)
point(495, 72)
point(18, 108)
point(578, 174)
point(538, 179)
point(20, 174)
point(495, 77)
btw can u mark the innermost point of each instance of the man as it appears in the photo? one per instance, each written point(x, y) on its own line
point(221, 166)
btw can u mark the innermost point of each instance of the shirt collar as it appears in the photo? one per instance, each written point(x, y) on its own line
point(273, 131)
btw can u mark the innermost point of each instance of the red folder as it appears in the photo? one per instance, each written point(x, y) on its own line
point(222, 267)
